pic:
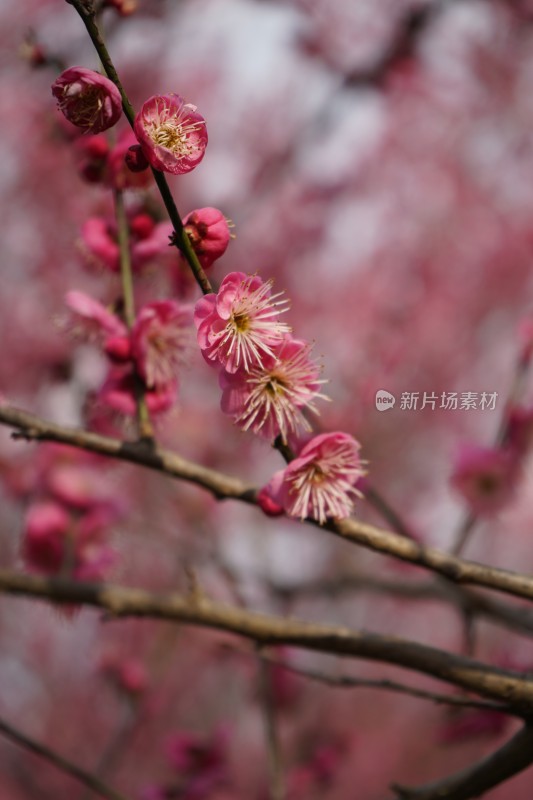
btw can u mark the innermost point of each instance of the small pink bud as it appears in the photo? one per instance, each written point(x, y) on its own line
point(268, 505)
point(209, 233)
point(87, 99)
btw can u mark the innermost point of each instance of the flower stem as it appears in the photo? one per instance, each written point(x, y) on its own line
point(143, 416)
point(180, 239)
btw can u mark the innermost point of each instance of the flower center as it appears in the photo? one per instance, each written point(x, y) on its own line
point(88, 104)
point(241, 321)
point(174, 136)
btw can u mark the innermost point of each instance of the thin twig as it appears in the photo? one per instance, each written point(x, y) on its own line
point(277, 782)
point(88, 780)
point(143, 417)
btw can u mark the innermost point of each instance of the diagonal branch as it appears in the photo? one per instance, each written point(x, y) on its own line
point(515, 756)
point(505, 686)
point(88, 780)
point(222, 486)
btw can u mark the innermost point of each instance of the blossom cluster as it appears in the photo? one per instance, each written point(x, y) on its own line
point(268, 377)
point(269, 381)
point(144, 358)
point(67, 524)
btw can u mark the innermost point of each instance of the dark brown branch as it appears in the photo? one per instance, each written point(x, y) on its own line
point(515, 756)
point(507, 687)
point(455, 569)
point(88, 780)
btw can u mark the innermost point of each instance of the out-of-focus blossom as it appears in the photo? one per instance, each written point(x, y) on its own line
point(93, 152)
point(486, 477)
point(475, 723)
point(119, 393)
point(90, 320)
point(268, 399)
point(318, 773)
point(135, 159)
point(123, 7)
point(100, 247)
point(320, 482)
point(209, 232)
point(519, 432)
point(45, 528)
point(55, 540)
point(173, 135)
point(201, 764)
point(128, 674)
point(239, 326)
point(159, 339)
point(99, 244)
point(87, 99)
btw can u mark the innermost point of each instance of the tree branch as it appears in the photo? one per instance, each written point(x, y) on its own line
point(222, 486)
point(88, 780)
point(510, 688)
point(515, 756)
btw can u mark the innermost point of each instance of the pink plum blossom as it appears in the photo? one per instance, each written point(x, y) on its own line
point(87, 99)
point(320, 482)
point(172, 134)
point(238, 326)
point(268, 400)
point(209, 232)
point(159, 339)
point(486, 477)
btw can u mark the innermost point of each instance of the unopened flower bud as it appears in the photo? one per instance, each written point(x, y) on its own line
point(208, 230)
